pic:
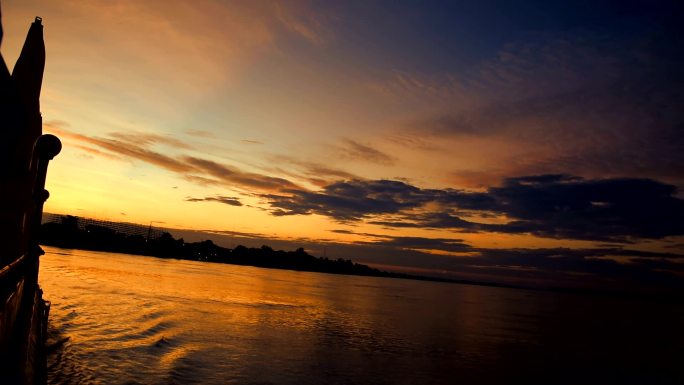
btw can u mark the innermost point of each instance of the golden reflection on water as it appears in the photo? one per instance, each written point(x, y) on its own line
point(132, 319)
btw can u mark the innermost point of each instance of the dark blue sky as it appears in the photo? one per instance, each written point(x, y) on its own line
point(434, 36)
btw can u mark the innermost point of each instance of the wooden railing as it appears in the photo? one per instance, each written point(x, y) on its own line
point(23, 313)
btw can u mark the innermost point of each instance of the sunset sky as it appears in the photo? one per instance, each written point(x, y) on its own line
point(528, 141)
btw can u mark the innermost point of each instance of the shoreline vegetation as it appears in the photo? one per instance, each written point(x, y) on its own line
point(71, 232)
point(68, 233)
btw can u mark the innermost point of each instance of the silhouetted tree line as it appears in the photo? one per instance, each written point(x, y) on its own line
point(71, 234)
point(68, 234)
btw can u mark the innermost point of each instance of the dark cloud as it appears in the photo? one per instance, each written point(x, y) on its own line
point(351, 200)
point(420, 243)
point(605, 209)
point(357, 199)
point(403, 242)
point(431, 220)
point(583, 266)
point(240, 234)
point(218, 198)
point(565, 265)
point(554, 206)
point(350, 232)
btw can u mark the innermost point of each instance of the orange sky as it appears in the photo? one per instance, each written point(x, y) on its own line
point(224, 116)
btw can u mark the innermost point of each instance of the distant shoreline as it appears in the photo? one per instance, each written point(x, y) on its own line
point(69, 234)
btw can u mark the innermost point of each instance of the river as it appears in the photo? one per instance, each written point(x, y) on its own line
point(123, 319)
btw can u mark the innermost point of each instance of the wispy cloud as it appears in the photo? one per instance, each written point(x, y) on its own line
point(126, 147)
point(314, 172)
point(588, 103)
point(96, 152)
point(147, 139)
point(232, 201)
point(401, 85)
point(164, 39)
point(304, 22)
point(422, 243)
point(200, 133)
point(192, 168)
point(233, 175)
point(249, 141)
point(354, 150)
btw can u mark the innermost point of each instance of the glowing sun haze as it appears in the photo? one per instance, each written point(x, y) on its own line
point(478, 139)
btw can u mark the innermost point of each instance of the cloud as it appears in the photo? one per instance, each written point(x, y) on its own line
point(430, 220)
point(232, 201)
point(613, 209)
point(608, 267)
point(420, 243)
point(552, 206)
point(398, 85)
point(314, 172)
point(162, 39)
point(581, 266)
point(590, 103)
point(200, 133)
point(249, 141)
point(232, 175)
point(133, 150)
point(404, 242)
point(412, 141)
point(357, 151)
point(147, 139)
point(557, 266)
point(570, 132)
point(320, 171)
point(350, 200)
point(304, 22)
point(94, 151)
point(136, 146)
point(358, 199)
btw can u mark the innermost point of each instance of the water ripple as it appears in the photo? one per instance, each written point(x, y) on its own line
point(120, 319)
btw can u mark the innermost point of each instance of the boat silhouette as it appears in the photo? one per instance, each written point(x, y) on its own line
point(24, 157)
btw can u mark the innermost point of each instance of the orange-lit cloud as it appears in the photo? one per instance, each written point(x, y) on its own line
point(136, 147)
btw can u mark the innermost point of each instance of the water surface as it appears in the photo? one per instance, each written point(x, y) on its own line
point(126, 319)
